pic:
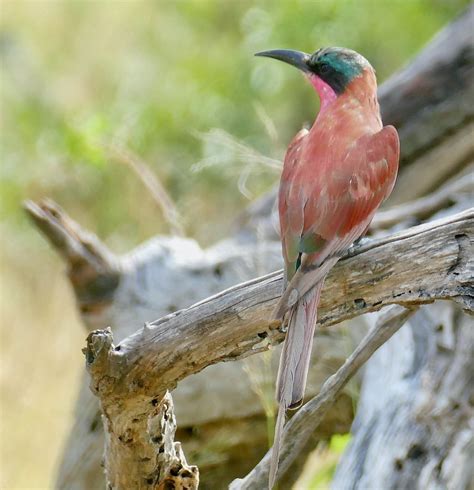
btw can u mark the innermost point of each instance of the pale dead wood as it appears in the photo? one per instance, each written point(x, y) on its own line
point(299, 429)
point(431, 99)
point(422, 208)
point(93, 270)
point(174, 471)
point(414, 426)
point(416, 266)
point(140, 452)
point(73, 242)
point(431, 261)
point(436, 165)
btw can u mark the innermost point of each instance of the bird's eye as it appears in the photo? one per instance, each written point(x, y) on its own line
point(324, 68)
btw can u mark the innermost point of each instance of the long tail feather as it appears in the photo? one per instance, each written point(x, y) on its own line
point(280, 422)
point(294, 365)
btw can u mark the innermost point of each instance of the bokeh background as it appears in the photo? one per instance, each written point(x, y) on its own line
point(156, 78)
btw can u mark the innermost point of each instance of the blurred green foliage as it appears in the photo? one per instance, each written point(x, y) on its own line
point(148, 75)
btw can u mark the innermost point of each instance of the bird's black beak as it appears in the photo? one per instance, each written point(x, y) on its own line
point(295, 58)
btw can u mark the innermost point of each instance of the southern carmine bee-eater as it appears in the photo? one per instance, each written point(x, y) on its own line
point(334, 178)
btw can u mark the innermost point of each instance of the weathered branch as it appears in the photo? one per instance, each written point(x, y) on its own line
point(174, 471)
point(414, 427)
point(300, 427)
point(141, 451)
point(424, 207)
point(93, 269)
point(427, 262)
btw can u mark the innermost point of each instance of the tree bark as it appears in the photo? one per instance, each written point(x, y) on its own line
point(415, 421)
point(416, 266)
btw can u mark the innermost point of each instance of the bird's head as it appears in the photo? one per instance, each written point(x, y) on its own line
point(330, 70)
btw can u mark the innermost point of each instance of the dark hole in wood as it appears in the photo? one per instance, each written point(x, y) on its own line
point(416, 452)
point(360, 302)
point(263, 335)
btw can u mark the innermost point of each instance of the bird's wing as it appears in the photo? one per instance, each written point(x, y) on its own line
point(325, 214)
point(291, 206)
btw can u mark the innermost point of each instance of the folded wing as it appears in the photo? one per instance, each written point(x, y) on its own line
point(321, 218)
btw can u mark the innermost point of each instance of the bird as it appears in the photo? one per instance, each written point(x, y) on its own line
point(335, 176)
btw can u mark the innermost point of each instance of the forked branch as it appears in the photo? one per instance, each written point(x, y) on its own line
point(309, 416)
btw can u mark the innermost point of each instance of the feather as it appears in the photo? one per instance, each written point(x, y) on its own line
point(294, 365)
point(280, 422)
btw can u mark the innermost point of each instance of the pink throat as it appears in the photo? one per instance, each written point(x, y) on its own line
point(326, 93)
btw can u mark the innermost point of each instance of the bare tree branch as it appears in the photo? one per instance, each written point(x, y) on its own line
point(431, 261)
point(93, 269)
point(422, 208)
point(431, 100)
point(307, 418)
point(417, 393)
point(427, 262)
point(140, 451)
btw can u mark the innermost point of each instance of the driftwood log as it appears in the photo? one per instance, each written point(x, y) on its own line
point(127, 291)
